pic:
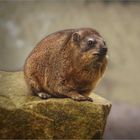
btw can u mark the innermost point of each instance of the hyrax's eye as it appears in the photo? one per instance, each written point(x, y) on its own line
point(91, 43)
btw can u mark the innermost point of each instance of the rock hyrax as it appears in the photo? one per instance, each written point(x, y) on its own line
point(67, 63)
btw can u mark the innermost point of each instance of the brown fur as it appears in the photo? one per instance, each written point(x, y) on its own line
point(58, 67)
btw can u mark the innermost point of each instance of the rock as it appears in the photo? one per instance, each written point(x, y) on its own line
point(25, 116)
point(19, 123)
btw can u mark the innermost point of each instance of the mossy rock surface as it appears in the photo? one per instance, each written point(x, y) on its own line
point(25, 116)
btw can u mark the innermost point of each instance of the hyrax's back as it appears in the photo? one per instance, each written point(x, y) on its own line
point(39, 65)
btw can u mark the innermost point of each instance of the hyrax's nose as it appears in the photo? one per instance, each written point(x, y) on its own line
point(103, 50)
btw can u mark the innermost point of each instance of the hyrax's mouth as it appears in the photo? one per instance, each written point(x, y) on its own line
point(101, 53)
point(96, 53)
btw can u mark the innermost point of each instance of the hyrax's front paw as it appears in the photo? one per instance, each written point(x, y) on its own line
point(44, 95)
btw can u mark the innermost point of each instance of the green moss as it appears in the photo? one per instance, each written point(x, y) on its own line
point(16, 124)
point(72, 119)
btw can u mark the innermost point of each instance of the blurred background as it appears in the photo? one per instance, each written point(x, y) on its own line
point(23, 23)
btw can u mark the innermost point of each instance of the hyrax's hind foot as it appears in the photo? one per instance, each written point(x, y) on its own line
point(43, 95)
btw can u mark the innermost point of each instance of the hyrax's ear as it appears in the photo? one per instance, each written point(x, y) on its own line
point(76, 36)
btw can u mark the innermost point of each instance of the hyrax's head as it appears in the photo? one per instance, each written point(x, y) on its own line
point(89, 45)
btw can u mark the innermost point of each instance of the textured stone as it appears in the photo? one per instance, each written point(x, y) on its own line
point(18, 123)
point(26, 116)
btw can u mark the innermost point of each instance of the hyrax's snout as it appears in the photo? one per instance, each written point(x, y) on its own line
point(103, 50)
